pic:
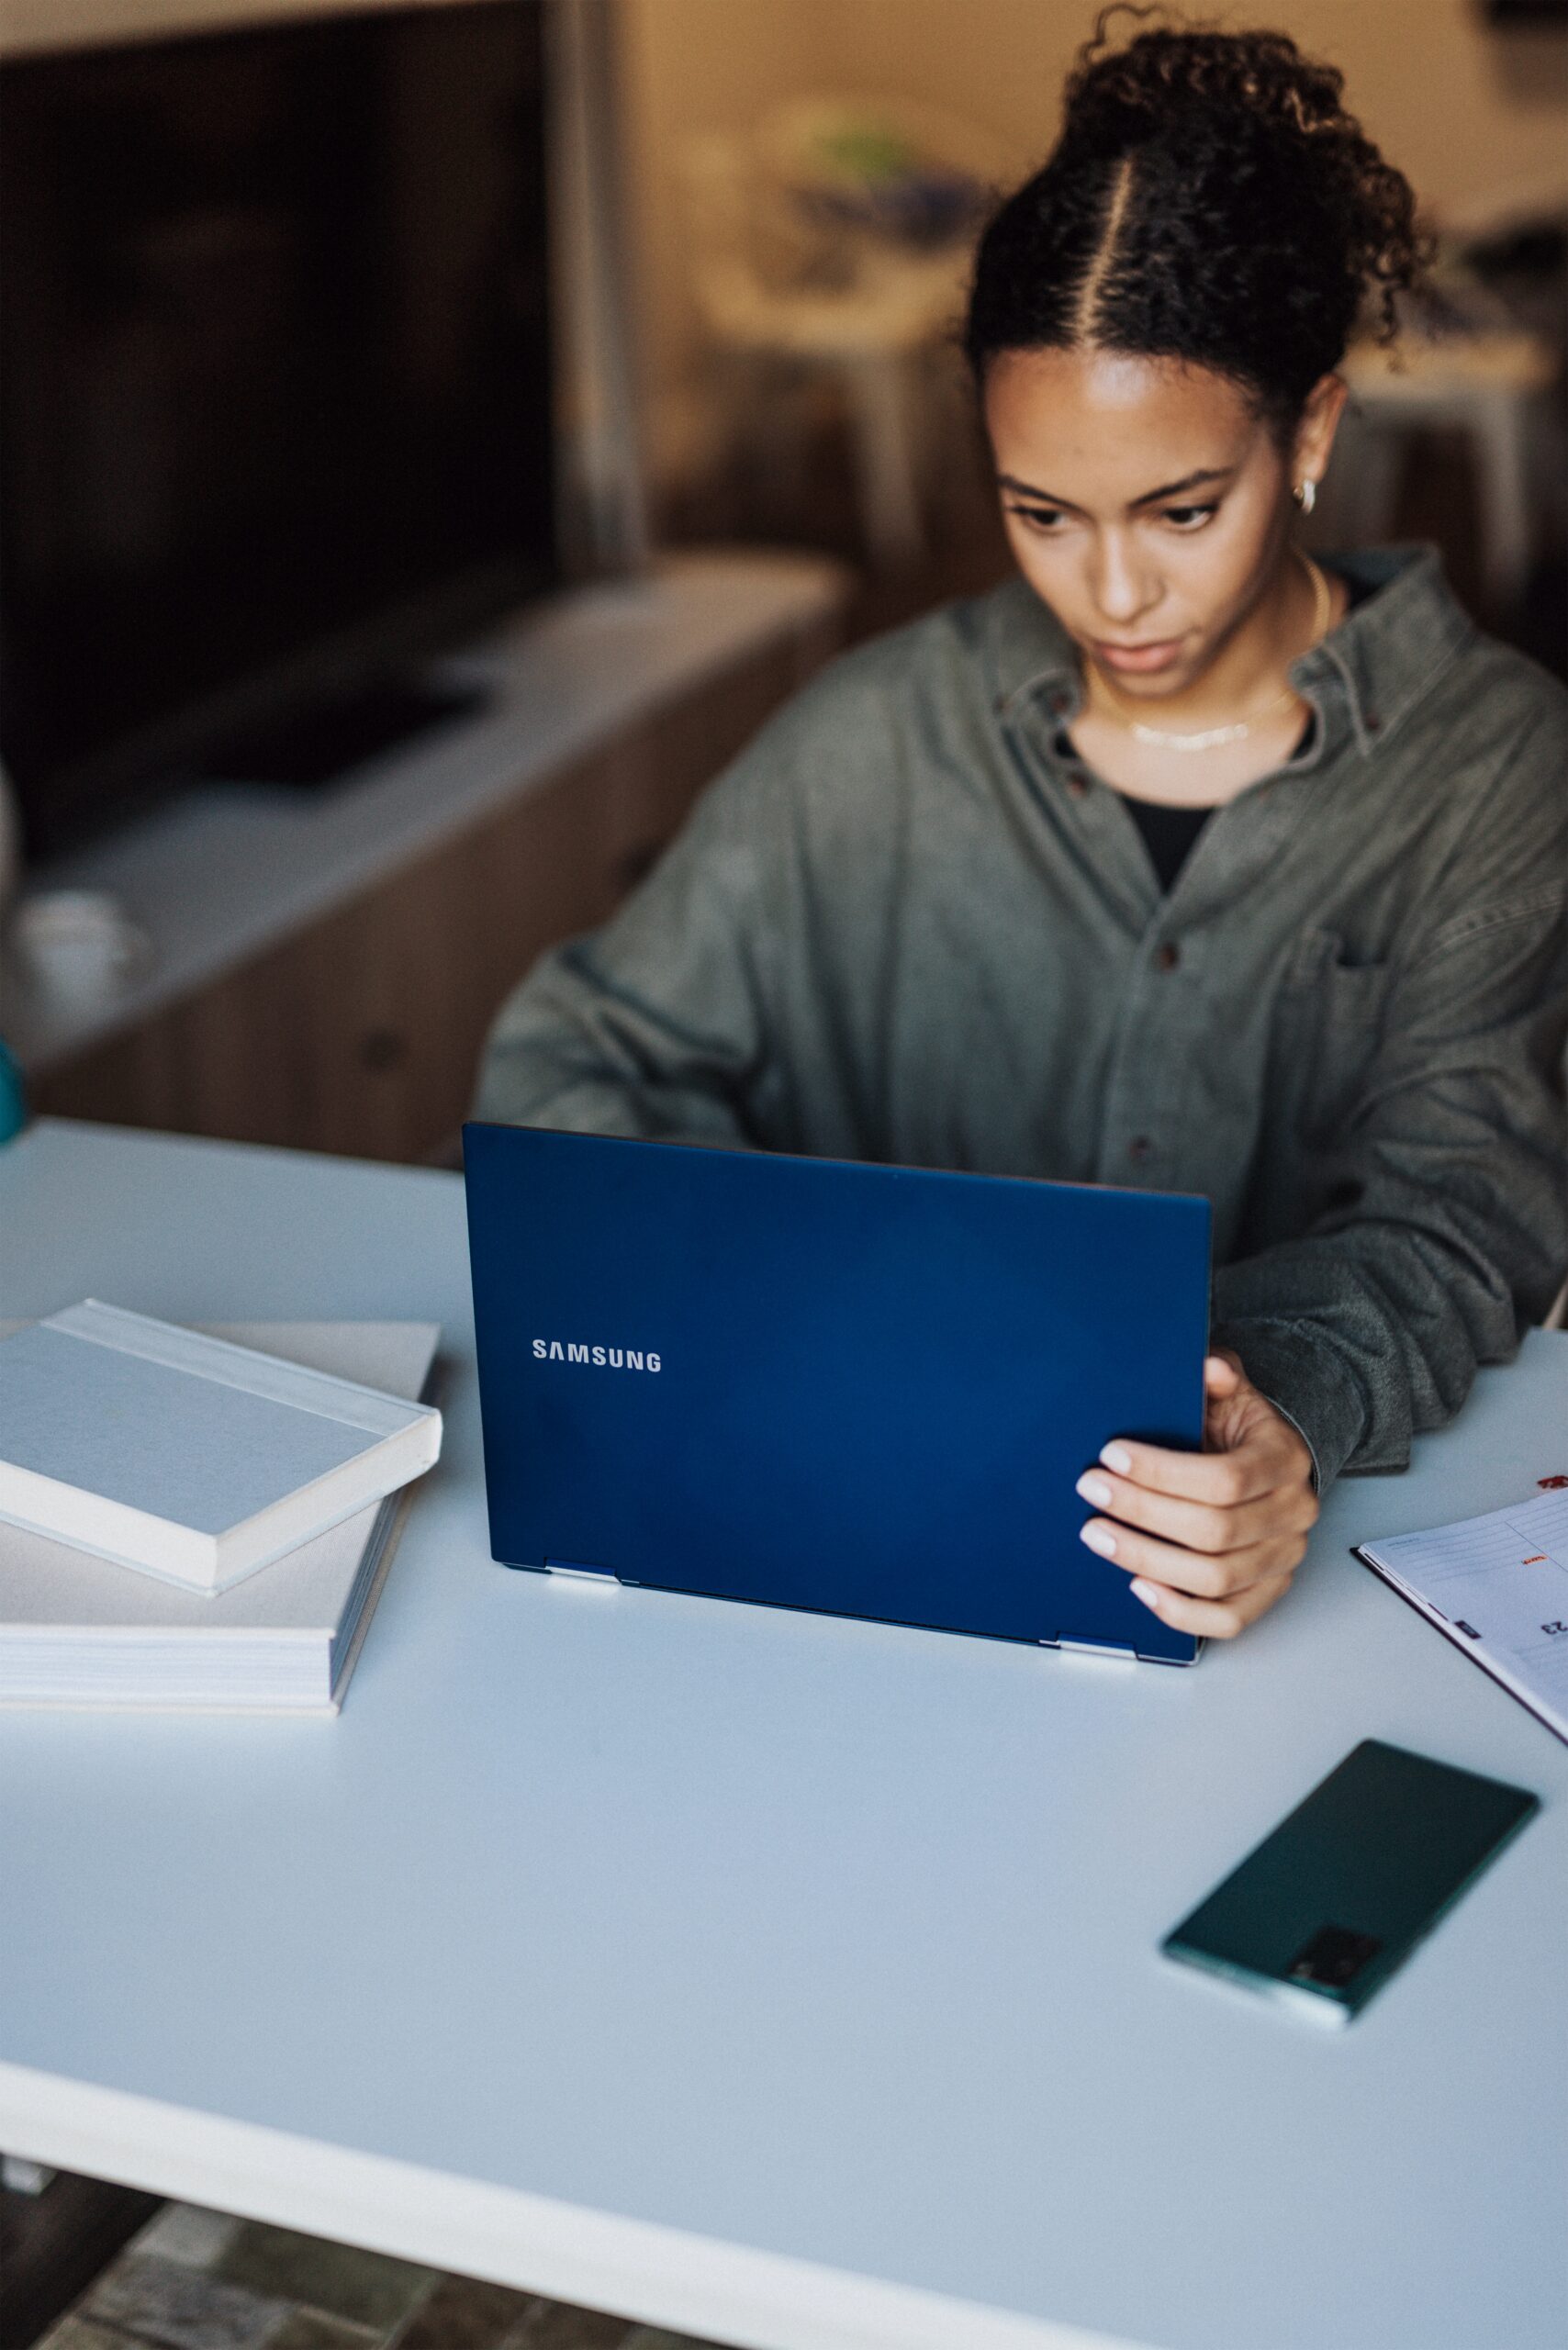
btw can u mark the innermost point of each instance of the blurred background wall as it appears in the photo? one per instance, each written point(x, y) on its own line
point(1473, 110)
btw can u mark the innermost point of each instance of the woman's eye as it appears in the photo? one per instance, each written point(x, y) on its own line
point(1189, 518)
point(1039, 518)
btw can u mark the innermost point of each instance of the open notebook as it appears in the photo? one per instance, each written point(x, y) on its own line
point(1498, 1587)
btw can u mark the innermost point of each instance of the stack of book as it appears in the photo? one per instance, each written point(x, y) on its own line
point(201, 1518)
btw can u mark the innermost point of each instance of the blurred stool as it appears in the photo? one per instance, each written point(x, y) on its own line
point(1491, 386)
point(837, 237)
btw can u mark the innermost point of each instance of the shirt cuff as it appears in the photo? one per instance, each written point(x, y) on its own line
point(1289, 1363)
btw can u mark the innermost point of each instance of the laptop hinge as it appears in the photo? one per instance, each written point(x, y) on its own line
point(1111, 1648)
point(580, 1568)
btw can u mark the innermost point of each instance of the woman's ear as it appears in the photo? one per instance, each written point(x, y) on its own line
point(1313, 441)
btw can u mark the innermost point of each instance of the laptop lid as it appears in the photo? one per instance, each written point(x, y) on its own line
point(867, 1391)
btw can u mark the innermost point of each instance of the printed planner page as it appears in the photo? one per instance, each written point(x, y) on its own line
point(1499, 1584)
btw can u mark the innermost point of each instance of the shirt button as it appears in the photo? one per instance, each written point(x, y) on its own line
point(1168, 956)
point(1059, 703)
point(1371, 720)
point(1139, 1147)
point(1077, 784)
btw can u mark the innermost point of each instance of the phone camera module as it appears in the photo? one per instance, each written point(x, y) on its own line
point(1333, 1958)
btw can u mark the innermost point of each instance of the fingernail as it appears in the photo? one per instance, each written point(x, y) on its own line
point(1094, 1489)
point(1100, 1539)
point(1116, 1457)
point(1144, 1591)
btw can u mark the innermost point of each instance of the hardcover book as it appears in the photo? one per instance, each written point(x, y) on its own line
point(186, 1456)
point(78, 1630)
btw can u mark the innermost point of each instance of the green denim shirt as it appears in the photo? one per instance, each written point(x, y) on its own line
point(909, 925)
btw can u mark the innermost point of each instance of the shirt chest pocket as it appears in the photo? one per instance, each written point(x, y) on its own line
point(1331, 1018)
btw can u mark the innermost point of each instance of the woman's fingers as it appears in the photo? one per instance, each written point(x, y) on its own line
point(1200, 1525)
point(1223, 1480)
point(1212, 1619)
point(1195, 1571)
point(1210, 1539)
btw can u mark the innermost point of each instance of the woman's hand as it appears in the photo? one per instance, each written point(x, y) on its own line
point(1211, 1537)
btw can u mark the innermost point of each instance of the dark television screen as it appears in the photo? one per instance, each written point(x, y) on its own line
point(275, 379)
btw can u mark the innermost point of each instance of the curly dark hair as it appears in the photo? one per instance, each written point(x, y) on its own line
point(1209, 200)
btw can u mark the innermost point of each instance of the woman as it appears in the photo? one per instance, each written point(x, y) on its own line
point(1179, 861)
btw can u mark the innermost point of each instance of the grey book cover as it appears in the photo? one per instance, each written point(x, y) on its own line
point(77, 1629)
point(182, 1454)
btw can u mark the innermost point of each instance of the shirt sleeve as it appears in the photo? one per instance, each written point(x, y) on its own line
point(659, 1025)
point(1448, 1232)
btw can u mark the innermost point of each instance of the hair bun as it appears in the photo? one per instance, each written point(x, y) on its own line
point(1210, 199)
point(1261, 78)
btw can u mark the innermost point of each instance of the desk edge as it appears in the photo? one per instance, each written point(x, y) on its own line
point(644, 2271)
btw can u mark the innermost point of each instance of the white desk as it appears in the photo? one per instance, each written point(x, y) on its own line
point(786, 1980)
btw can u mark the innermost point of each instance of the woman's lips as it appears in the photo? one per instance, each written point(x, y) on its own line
point(1139, 659)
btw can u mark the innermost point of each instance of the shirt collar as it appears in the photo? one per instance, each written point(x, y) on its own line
point(1377, 663)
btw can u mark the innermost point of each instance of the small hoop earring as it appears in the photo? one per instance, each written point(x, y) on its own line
point(1305, 494)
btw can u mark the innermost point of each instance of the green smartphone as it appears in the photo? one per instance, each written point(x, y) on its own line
point(1334, 1901)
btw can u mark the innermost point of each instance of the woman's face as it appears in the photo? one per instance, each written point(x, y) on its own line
point(1146, 503)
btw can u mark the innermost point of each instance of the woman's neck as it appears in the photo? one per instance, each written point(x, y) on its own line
point(1246, 688)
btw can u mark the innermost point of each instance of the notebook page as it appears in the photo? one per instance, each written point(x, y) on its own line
point(1499, 1585)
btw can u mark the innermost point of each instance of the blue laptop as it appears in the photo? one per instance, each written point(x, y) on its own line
point(867, 1391)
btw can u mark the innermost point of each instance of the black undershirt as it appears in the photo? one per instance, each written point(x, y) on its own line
point(1169, 834)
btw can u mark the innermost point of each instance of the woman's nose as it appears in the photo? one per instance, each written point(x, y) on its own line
point(1119, 586)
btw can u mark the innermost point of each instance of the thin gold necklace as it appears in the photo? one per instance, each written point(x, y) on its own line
point(1211, 737)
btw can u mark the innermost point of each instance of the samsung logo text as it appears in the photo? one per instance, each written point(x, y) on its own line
point(602, 1358)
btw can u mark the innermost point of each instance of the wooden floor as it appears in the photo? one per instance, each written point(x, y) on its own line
point(191, 2279)
point(53, 2245)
